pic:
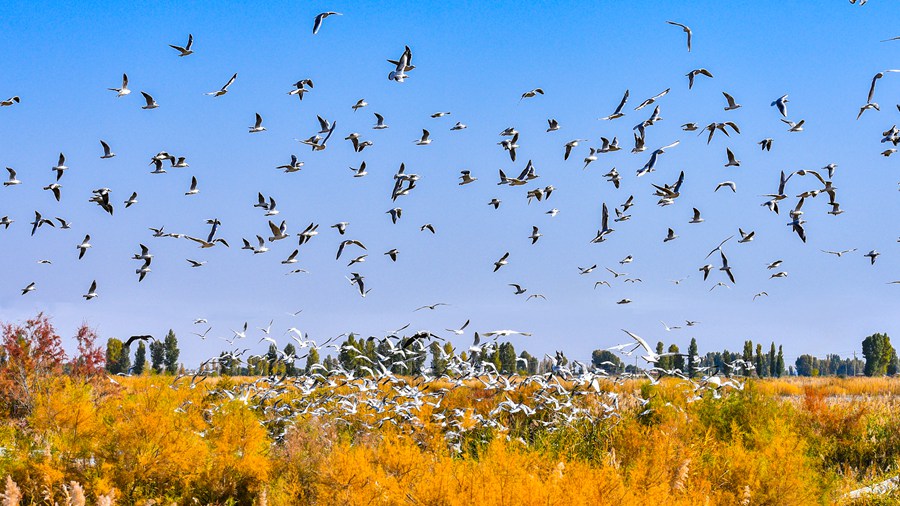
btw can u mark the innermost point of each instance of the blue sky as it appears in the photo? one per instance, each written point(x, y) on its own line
point(473, 60)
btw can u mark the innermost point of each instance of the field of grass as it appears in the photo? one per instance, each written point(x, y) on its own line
point(147, 440)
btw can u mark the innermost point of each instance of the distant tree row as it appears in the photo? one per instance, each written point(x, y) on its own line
point(359, 356)
point(880, 358)
point(163, 356)
point(673, 361)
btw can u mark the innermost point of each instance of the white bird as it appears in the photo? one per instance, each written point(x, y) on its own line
point(121, 92)
point(186, 50)
point(794, 127)
point(151, 104)
point(781, 104)
point(317, 24)
point(686, 30)
point(195, 263)
point(732, 161)
point(30, 288)
point(380, 122)
point(194, 190)
point(341, 227)
point(618, 112)
point(131, 200)
point(732, 105)
point(292, 258)
point(839, 254)
point(224, 89)
point(727, 184)
point(460, 331)
point(361, 171)
point(257, 127)
point(697, 218)
point(60, 166)
point(12, 178)
point(424, 140)
point(294, 166)
point(92, 291)
point(83, 246)
point(500, 263)
point(106, 151)
point(746, 236)
point(532, 93)
point(466, 177)
point(54, 187)
point(506, 333)
point(359, 104)
point(668, 329)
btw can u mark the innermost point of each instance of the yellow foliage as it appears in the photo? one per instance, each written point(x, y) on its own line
point(777, 442)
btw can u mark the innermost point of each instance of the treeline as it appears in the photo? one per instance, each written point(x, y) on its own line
point(752, 361)
point(359, 356)
point(163, 356)
point(880, 359)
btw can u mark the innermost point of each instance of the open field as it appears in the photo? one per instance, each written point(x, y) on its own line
point(785, 441)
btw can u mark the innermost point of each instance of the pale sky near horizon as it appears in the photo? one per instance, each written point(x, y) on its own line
point(475, 61)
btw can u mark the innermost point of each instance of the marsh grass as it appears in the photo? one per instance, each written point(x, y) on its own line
point(776, 442)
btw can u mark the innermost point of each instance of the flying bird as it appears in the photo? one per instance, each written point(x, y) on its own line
point(686, 30)
point(121, 92)
point(257, 127)
point(92, 291)
point(224, 89)
point(532, 93)
point(186, 50)
point(107, 153)
point(151, 104)
point(317, 24)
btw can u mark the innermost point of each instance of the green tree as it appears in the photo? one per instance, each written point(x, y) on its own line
point(312, 358)
point(893, 366)
point(747, 357)
point(348, 353)
point(664, 362)
point(606, 360)
point(676, 361)
point(531, 363)
point(438, 361)
point(171, 352)
point(113, 354)
point(773, 360)
point(124, 360)
point(692, 358)
point(290, 353)
point(507, 358)
point(140, 359)
point(157, 356)
point(762, 363)
point(877, 351)
point(779, 365)
point(806, 365)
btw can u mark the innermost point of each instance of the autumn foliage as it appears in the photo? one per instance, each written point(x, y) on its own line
point(152, 439)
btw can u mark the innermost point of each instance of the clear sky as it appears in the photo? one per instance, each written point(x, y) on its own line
point(474, 60)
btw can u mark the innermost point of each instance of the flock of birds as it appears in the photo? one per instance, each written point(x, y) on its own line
point(379, 390)
point(557, 396)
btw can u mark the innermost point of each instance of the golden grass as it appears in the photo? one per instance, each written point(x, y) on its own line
point(779, 442)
